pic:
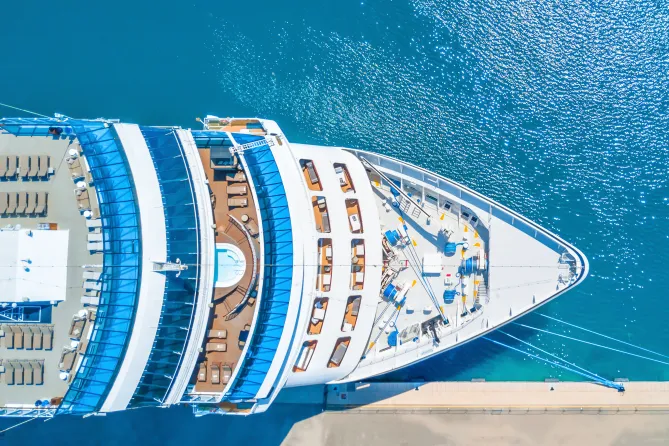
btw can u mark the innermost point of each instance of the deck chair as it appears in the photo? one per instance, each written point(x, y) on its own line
point(202, 372)
point(21, 203)
point(9, 373)
point(4, 198)
point(47, 337)
point(27, 373)
point(215, 373)
point(37, 338)
point(24, 166)
point(9, 336)
point(12, 167)
point(38, 372)
point(11, 207)
point(236, 190)
point(27, 338)
point(18, 337)
point(42, 198)
point(18, 373)
point(217, 334)
point(237, 202)
point(67, 359)
point(217, 347)
point(43, 169)
point(34, 168)
point(3, 166)
point(238, 177)
point(227, 373)
point(32, 203)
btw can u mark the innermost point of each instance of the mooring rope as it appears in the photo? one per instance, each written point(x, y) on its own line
point(602, 335)
point(590, 343)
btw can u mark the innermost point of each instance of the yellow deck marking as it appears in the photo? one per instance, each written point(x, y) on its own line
point(401, 220)
point(476, 282)
point(466, 229)
point(441, 308)
point(413, 283)
point(475, 292)
point(414, 242)
point(442, 216)
point(377, 184)
point(371, 344)
point(478, 245)
point(476, 234)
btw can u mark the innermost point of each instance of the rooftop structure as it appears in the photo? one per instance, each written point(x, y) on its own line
point(215, 267)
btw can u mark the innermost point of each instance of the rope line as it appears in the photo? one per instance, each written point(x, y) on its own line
point(590, 343)
point(602, 335)
point(607, 383)
point(25, 111)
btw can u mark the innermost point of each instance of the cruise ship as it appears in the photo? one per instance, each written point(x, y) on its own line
point(213, 267)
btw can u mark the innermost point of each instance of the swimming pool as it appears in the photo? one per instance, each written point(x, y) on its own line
point(230, 265)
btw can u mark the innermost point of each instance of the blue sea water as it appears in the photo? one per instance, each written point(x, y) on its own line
point(558, 110)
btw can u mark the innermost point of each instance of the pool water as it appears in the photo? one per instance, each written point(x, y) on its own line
point(230, 265)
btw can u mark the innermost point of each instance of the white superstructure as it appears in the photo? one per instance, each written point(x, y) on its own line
point(228, 263)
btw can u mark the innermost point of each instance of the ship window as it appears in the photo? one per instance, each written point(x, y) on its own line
point(324, 278)
point(318, 315)
point(344, 177)
point(304, 358)
point(354, 217)
point(351, 315)
point(339, 352)
point(321, 214)
point(357, 264)
point(310, 174)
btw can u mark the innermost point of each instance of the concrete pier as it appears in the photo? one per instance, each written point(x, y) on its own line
point(516, 396)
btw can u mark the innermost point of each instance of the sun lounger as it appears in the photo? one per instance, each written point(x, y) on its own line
point(9, 336)
point(237, 190)
point(32, 203)
point(37, 338)
point(27, 373)
point(67, 359)
point(326, 222)
point(18, 337)
point(93, 237)
point(217, 334)
point(4, 198)
point(92, 224)
point(238, 177)
point(12, 167)
point(202, 373)
point(312, 172)
point(43, 169)
point(237, 202)
point(217, 347)
point(24, 166)
point(38, 372)
point(90, 285)
point(22, 203)
point(3, 165)
point(27, 338)
point(47, 337)
point(95, 247)
point(11, 207)
point(356, 307)
point(9, 373)
point(227, 373)
point(90, 300)
point(215, 374)
point(34, 168)
point(338, 354)
point(77, 328)
point(42, 199)
point(92, 275)
point(18, 373)
point(252, 227)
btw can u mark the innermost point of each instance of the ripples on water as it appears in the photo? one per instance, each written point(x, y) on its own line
point(556, 110)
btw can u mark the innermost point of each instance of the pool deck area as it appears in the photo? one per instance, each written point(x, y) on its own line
point(231, 230)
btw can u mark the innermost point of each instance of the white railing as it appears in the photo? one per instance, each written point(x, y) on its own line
point(254, 276)
point(252, 145)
